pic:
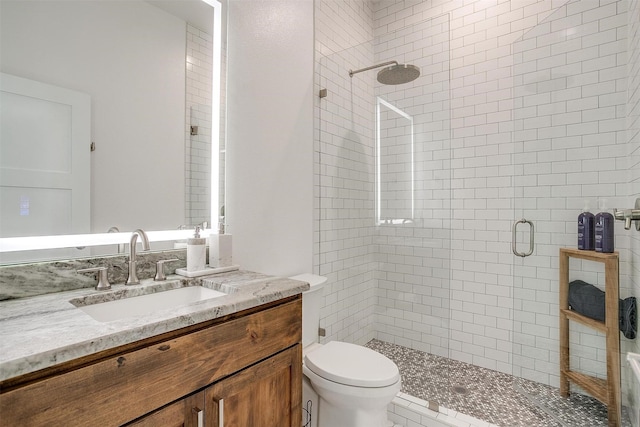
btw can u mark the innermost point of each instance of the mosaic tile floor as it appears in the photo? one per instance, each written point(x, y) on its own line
point(491, 396)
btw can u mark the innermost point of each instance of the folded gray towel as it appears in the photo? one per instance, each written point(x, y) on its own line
point(588, 300)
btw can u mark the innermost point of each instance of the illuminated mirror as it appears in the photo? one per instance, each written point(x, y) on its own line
point(156, 163)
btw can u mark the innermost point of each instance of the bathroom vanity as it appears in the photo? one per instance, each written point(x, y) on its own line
point(234, 360)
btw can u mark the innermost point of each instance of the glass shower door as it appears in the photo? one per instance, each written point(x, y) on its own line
point(384, 209)
point(565, 133)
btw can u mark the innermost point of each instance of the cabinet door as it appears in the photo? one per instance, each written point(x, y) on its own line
point(267, 394)
point(187, 412)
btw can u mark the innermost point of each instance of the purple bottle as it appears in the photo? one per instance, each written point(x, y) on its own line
point(604, 224)
point(586, 229)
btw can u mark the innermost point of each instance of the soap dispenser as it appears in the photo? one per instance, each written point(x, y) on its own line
point(196, 252)
point(604, 228)
point(220, 247)
point(586, 229)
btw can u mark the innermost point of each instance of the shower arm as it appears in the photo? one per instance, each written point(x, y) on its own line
point(351, 72)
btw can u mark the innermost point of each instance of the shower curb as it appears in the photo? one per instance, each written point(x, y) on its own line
point(406, 408)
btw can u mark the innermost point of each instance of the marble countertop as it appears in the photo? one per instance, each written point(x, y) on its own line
point(42, 331)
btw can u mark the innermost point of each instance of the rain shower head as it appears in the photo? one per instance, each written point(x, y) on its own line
point(394, 74)
point(398, 74)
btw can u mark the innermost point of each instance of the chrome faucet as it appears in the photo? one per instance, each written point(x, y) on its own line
point(132, 279)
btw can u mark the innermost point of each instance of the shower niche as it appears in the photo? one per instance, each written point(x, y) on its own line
point(394, 165)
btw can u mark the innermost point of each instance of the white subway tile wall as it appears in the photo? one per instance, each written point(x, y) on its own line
point(199, 63)
point(524, 109)
point(343, 174)
point(346, 198)
point(413, 267)
point(569, 77)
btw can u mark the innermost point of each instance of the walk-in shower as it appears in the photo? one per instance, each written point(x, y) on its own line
point(393, 73)
point(480, 139)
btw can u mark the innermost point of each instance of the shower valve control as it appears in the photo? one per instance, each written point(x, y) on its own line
point(628, 215)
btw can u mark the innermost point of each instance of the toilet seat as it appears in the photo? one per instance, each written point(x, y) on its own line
point(352, 365)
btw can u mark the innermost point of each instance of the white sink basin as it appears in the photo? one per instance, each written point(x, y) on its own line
point(149, 303)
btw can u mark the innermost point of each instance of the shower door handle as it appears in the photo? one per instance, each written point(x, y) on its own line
point(514, 246)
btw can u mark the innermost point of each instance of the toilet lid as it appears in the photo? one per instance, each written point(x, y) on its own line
point(352, 365)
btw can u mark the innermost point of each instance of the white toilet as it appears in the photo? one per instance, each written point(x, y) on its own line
point(354, 384)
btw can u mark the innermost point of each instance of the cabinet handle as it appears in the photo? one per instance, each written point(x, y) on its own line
point(200, 414)
point(221, 413)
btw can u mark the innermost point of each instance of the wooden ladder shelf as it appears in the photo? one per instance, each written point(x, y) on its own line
point(607, 391)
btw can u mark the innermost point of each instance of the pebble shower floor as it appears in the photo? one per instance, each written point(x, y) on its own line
point(492, 396)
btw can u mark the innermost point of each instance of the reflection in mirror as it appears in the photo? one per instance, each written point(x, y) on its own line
point(395, 182)
point(149, 71)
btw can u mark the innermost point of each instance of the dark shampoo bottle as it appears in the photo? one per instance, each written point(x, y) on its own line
point(586, 230)
point(604, 232)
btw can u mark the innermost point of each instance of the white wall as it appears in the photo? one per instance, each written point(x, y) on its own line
point(130, 58)
point(270, 135)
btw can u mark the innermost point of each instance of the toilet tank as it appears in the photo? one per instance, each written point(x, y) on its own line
point(311, 302)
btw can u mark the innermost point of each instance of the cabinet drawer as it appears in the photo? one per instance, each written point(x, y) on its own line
point(123, 387)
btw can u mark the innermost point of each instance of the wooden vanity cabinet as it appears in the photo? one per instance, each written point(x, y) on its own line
point(263, 395)
point(246, 368)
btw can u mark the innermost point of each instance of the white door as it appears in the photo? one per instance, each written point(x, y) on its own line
point(45, 142)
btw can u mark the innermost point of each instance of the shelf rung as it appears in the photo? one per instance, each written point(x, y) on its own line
point(597, 387)
point(588, 255)
point(587, 321)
